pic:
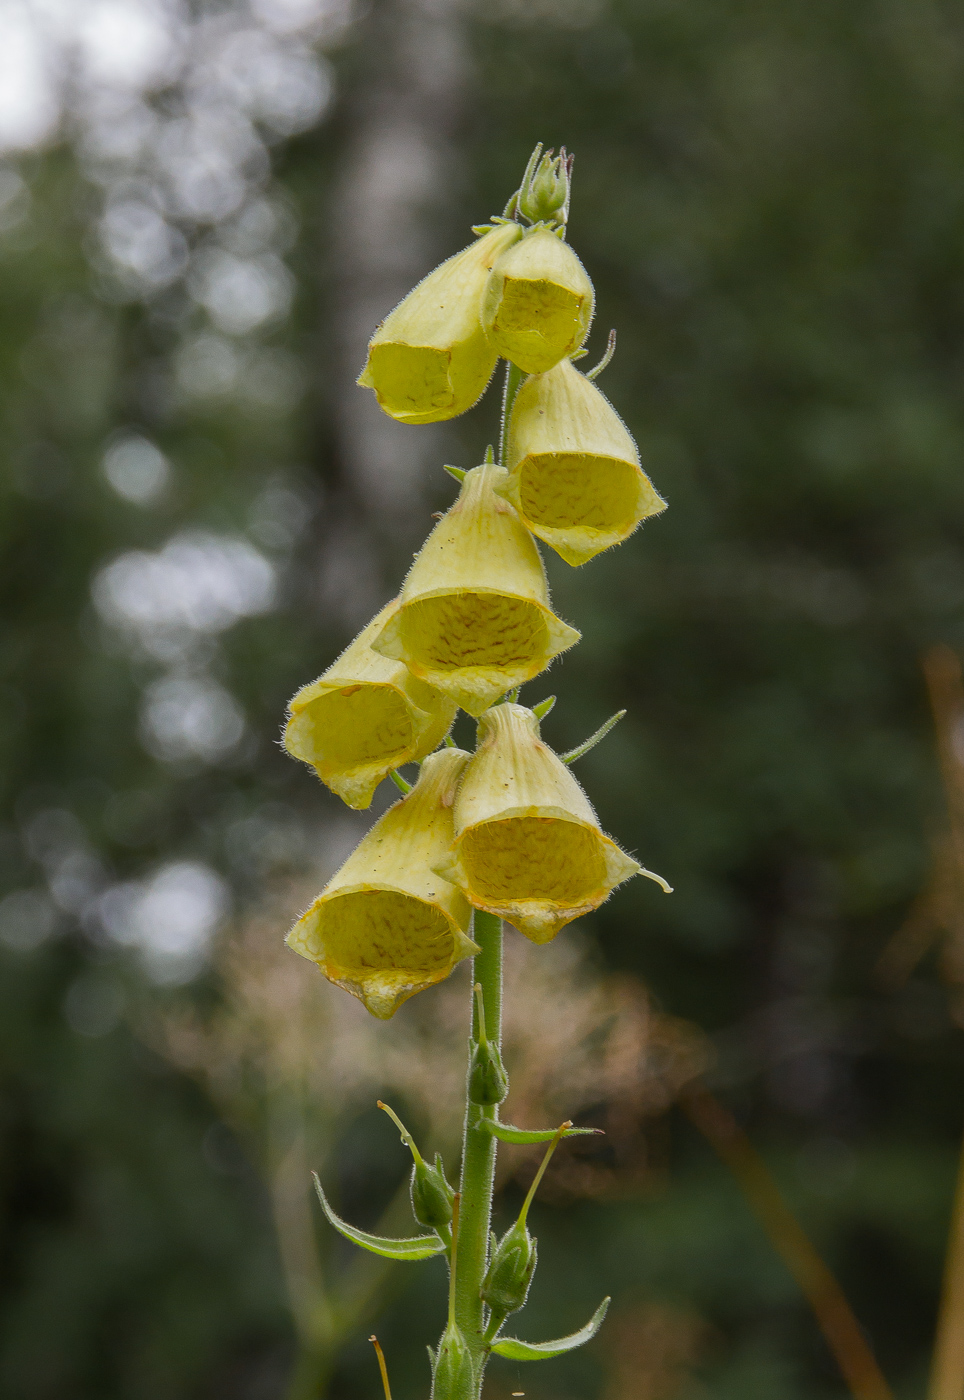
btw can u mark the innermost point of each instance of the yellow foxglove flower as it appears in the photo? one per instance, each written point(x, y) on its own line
point(528, 846)
point(386, 926)
point(574, 473)
point(430, 358)
point(365, 716)
point(474, 618)
point(538, 302)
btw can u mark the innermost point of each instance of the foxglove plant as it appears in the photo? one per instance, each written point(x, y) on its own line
point(505, 832)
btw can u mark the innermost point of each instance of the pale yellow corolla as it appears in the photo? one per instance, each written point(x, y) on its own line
point(474, 618)
point(386, 925)
point(528, 845)
point(574, 473)
point(430, 359)
point(365, 716)
point(538, 302)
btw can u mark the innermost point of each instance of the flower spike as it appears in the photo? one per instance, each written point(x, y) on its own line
point(386, 927)
point(574, 473)
point(528, 846)
point(430, 359)
point(364, 717)
point(474, 618)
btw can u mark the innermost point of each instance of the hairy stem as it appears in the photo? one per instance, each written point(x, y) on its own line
point(513, 380)
point(478, 1151)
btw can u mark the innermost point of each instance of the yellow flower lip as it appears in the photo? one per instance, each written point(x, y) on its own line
point(365, 716)
point(538, 302)
point(574, 473)
point(386, 926)
point(430, 358)
point(528, 845)
point(474, 618)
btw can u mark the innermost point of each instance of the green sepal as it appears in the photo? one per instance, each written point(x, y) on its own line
point(432, 1197)
point(488, 1081)
point(509, 1275)
point(505, 1132)
point(453, 1376)
point(421, 1247)
point(515, 1350)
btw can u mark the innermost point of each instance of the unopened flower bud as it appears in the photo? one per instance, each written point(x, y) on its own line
point(507, 1279)
point(430, 359)
point(453, 1377)
point(432, 1196)
point(364, 717)
point(538, 302)
point(385, 926)
point(574, 473)
point(474, 618)
point(488, 1081)
point(545, 197)
point(528, 846)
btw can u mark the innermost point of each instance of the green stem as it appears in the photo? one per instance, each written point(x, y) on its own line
point(478, 1151)
point(513, 380)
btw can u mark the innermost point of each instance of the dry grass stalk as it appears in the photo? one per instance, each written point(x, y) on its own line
point(939, 909)
point(834, 1315)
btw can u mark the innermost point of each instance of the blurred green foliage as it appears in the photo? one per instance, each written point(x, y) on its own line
point(770, 200)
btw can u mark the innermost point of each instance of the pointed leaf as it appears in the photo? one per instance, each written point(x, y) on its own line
point(420, 1247)
point(505, 1132)
point(515, 1350)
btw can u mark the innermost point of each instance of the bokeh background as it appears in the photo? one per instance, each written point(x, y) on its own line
point(205, 207)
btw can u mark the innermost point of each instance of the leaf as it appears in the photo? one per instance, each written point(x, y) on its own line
point(505, 1132)
point(515, 1350)
point(420, 1247)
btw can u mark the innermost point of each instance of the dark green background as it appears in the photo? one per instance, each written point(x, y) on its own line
point(770, 201)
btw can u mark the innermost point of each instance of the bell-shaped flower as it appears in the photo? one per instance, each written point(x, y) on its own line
point(386, 926)
point(430, 358)
point(538, 302)
point(474, 618)
point(365, 716)
point(528, 845)
point(574, 473)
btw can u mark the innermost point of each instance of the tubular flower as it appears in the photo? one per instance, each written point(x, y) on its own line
point(538, 302)
point(365, 716)
point(430, 358)
point(474, 617)
point(574, 473)
point(386, 927)
point(528, 846)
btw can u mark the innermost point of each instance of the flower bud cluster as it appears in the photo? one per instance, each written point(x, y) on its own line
point(507, 829)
